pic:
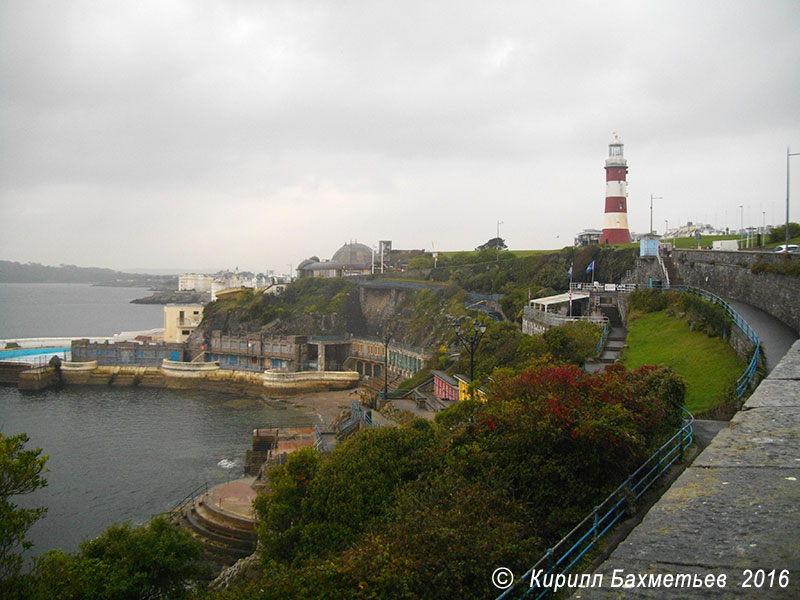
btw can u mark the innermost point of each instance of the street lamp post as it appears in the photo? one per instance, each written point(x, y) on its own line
point(651, 209)
point(470, 337)
point(788, 155)
point(497, 240)
point(387, 337)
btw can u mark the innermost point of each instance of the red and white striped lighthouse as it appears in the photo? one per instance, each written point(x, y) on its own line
point(615, 220)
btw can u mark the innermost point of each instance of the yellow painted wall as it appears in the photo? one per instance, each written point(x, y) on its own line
point(175, 326)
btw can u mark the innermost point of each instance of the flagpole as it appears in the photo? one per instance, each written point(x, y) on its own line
point(570, 290)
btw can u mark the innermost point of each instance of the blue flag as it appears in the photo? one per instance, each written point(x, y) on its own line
point(590, 268)
point(569, 273)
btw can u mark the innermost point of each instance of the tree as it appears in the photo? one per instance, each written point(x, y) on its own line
point(778, 234)
point(20, 473)
point(495, 243)
point(280, 511)
point(573, 342)
point(155, 561)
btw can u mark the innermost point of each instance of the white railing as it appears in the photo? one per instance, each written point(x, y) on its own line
point(663, 268)
point(556, 319)
point(89, 365)
point(309, 376)
point(602, 287)
point(188, 367)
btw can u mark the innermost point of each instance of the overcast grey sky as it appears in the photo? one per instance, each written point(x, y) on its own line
point(170, 134)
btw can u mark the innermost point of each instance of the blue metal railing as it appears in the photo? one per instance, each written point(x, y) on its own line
point(481, 306)
point(569, 550)
point(559, 559)
point(601, 344)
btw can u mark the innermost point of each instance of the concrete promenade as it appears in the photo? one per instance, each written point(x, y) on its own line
point(736, 508)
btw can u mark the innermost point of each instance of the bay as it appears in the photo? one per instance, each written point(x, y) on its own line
point(73, 310)
point(125, 454)
point(117, 454)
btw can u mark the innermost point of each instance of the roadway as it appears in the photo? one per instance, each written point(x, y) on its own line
point(776, 337)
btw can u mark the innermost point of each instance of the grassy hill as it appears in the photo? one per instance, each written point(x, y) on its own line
point(709, 364)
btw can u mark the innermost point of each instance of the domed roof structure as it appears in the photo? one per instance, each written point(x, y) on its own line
point(352, 254)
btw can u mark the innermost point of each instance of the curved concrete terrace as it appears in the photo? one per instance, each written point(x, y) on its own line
point(735, 508)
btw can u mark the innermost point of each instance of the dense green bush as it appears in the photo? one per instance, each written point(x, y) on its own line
point(124, 563)
point(322, 509)
point(778, 234)
point(705, 314)
point(21, 473)
point(429, 510)
point(648, 300)
point(788, 267)
point(573, 342)
point(709, 314)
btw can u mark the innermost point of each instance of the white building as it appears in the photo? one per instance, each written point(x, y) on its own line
point(195, 282)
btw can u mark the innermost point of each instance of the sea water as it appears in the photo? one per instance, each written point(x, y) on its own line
point(118, 454)
point(125, 454)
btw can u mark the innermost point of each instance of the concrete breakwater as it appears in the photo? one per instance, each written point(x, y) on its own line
point(180, 375)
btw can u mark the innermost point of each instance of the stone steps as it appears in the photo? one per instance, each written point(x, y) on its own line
point(216, 539)
point(228, 525)
point(223, 543)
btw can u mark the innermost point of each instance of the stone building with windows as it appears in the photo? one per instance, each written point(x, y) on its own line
point(180, 320)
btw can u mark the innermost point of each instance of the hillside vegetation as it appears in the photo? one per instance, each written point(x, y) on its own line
point(332, 306)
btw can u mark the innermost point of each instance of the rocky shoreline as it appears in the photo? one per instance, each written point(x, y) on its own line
point(174, 297)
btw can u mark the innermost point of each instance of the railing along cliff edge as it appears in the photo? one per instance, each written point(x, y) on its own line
point(559, 559)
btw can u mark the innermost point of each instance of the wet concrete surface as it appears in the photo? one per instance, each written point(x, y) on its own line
point(776, 337)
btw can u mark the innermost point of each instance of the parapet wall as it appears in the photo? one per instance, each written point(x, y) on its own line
point(729, 275)
point(202, 376)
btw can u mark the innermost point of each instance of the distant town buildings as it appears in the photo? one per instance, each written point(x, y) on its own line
point(351, 259)
point(195, 282)
point(692, 229)
point(359, 259)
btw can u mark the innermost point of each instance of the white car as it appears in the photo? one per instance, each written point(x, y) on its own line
point(793, 249)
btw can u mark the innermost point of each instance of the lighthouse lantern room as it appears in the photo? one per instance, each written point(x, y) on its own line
point(615, 220)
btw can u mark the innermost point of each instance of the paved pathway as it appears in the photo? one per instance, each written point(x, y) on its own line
point(235, 497)
point(734, 511)
point(776, 337)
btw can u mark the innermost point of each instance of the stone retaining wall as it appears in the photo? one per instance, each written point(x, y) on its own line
point(729, 275)
point(204, 376)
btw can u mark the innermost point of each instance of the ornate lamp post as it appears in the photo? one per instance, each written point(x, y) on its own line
point(387, 337)
point(469, 337)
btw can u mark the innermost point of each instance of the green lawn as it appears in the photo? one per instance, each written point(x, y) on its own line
point(709, 365)
point(708, 240)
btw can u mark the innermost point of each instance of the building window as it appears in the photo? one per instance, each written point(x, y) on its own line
point(185, 332)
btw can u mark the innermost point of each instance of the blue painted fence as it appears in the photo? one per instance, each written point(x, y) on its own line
point(746, 378)
point(566, 553)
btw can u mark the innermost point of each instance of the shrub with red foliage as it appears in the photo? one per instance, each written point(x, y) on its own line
point(560, 438)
